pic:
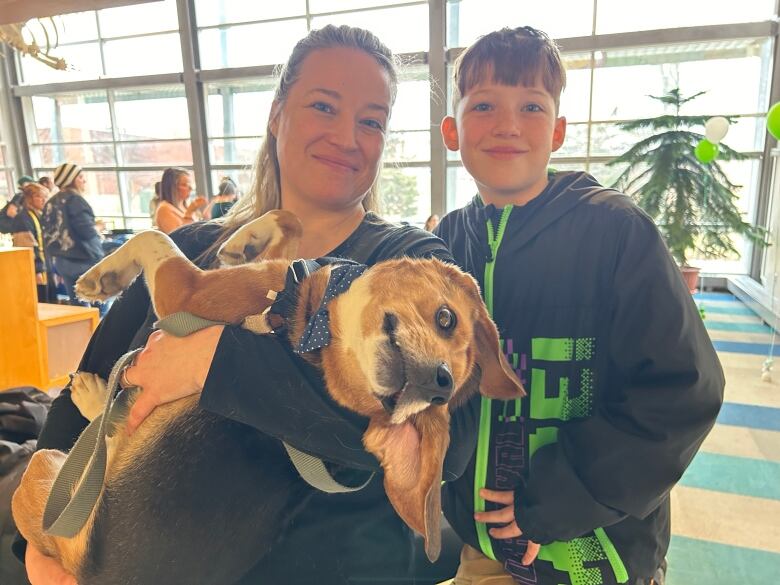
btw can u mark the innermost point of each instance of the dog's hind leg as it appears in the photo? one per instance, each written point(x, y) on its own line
point(29, 502)
point(114, 273)
point(89, 393)
point(275, 235)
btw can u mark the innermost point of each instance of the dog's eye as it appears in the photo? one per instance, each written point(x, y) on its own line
point(445, 318)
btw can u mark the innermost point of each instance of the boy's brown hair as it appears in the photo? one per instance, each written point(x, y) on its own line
point(513, 56)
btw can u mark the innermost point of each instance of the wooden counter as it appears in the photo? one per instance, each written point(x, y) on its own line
point(40, 344)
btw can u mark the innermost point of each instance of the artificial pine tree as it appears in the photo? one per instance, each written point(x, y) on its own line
point(693, 203)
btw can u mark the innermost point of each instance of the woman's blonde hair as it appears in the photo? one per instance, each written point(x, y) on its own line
point(265, 192)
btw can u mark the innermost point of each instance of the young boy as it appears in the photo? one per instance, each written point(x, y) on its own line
point(623, 383)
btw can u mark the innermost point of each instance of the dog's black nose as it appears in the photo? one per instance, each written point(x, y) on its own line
point(444, 377)
point(442, 390)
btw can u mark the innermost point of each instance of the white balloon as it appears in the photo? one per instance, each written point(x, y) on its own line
point(716, 129)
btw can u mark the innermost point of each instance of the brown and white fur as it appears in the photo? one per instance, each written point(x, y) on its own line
point(386, 346)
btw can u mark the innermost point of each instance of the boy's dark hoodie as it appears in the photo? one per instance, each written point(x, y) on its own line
point(623, 381)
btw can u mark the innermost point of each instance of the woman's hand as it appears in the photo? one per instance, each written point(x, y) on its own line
point(43, 570)
point(196, 204)
point(505, 516)
point(170, 368)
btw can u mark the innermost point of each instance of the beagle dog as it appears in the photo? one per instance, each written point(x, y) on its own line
point(402, 356)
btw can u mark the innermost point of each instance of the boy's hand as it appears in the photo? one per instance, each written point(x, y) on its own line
point(505, 516)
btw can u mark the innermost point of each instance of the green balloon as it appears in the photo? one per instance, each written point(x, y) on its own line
point(706, 151)
point(773, 121)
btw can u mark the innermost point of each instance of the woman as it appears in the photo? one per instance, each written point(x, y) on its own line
point(321, 160)
point(431, 223)
point(69, 232)
point(27, 232)
point(226, 196)
point(172, 212)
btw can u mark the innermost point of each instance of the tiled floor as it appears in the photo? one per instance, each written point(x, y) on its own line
point(726, 509)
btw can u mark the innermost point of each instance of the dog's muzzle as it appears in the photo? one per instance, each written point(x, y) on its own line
point(427, 384)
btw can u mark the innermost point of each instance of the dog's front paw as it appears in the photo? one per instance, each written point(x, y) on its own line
point(242, 247)
point(273, 235)
point(106, 279)
point(98, 285)
point(89, 393)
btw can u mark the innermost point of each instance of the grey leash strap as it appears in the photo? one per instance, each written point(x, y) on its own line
point(314, 472)
point(311, 469)
point(85, 468)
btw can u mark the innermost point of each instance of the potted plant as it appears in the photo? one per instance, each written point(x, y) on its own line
point(692, 202)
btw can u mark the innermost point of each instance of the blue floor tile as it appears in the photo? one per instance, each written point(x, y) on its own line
point(737, 327)
point(715, 297)
point(745, 347)
point(747, 415)
point(731, 309)
point(698, 562)
point(734, 475)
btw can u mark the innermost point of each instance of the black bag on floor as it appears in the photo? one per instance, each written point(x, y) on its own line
point(22, 413)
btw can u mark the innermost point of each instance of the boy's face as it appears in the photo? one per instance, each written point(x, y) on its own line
point(505, 135)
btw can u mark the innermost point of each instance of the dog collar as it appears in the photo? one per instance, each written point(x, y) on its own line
point(317, 334)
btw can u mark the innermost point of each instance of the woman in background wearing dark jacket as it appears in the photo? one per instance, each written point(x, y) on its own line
point(69, 233)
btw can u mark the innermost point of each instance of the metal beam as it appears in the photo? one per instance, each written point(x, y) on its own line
point(193, 88)
point(438, 103)
point(235, 73)
point(94, 84)
point(15, 135)
point(238, 73)
point(765, 181)
point(664, 36)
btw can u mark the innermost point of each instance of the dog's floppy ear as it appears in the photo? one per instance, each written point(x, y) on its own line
point(491, 373)
point(412, 457)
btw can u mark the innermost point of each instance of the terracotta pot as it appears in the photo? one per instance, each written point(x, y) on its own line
point(691, 277)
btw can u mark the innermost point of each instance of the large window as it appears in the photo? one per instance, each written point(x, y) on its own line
point(122, 138)
point(115, 42)
point(616, 16)
point(125, 133)
point(235, 33)
point(469, 19)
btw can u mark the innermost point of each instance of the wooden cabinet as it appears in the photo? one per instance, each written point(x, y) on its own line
point(40, 344)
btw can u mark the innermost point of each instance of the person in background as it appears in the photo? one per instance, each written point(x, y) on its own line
point(10, 209)
point(226, 196)
point(431, 223)
point(23, 180)
point(70, 235)
point(173, 211)
point(27, 232)
point(49, 184)
point(154, 202)
point(569, 485)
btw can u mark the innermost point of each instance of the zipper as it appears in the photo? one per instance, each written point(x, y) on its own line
point(483, 442)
